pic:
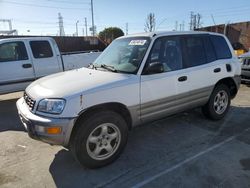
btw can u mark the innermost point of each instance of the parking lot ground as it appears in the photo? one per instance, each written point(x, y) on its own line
point(185, 150)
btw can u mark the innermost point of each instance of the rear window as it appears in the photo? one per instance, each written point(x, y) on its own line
point(210, 52)
point(41, 49)
point(221, 47)
point(193, 51)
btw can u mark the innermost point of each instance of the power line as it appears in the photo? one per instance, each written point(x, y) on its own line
point(69, 2)
point(43, 6)
point(243, 11)
point(221, 9)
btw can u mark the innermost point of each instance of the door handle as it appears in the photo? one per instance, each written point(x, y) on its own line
point(217, 70)
point(26, 66)
point(182, 78)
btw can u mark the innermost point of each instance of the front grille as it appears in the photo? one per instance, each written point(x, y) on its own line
point(29, 101)
point(246, 62)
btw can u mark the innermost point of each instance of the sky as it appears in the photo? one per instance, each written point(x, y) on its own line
point(40, 17)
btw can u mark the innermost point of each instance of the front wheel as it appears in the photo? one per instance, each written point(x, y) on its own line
point(218, 104)
point(100, 139)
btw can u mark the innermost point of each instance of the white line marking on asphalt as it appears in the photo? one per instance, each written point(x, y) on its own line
point(166, 171)
point(21, 146)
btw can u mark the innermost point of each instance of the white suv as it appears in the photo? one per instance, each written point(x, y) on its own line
point(138, 78)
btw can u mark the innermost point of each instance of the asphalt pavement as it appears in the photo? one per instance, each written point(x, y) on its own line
point(185, 150)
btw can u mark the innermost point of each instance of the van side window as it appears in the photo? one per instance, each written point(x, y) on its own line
point(41, 49)
point(221, 48)
point(166, 50)
point(193, 51)
point(13, 51)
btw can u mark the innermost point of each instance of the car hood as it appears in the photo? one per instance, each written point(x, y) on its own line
point(68, 83)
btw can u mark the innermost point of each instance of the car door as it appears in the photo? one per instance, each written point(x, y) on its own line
point(201, 71)
point(16, 70)
point(158, 90)
point(45, 59)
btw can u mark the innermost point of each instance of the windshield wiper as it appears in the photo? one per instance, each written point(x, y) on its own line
point(109, 67)
point(91, 66)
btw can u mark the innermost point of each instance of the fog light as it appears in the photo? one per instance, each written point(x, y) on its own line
point(53, 130)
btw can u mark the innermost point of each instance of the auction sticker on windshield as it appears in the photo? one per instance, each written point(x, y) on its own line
point(137, 42)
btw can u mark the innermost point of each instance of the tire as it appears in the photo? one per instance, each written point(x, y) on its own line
point(218, 104)
point(100, 139)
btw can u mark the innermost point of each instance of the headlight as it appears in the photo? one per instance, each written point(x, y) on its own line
point(52, 106)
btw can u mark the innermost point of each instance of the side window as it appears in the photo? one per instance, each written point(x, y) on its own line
point(167, 51)
point(41, 49)
point(13, 51)
point(193, 51)
point(210, 53)
point(221, 48)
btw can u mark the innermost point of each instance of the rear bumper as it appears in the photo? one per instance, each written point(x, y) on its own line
point(36, 125)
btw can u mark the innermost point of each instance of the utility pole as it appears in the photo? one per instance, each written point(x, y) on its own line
point(226, 28)
point(194, 22)
point(198, 21)
point(191, 21)
point(61, 28)
point(86, 26)
point(127, 28)
point(92, 13)
point(77, 27)
point(213, 19)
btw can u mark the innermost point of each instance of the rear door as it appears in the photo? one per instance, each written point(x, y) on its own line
point(16, 70)
point(201, 70)
point(45, 59)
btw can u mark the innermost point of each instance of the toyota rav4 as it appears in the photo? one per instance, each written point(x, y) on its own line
point(137, 79)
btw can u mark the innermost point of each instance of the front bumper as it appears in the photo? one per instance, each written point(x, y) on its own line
point(245, 74)
point(35, 125)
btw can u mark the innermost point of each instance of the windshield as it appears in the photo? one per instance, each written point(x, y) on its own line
point(124, 55)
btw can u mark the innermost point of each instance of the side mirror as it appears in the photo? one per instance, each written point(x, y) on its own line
point(154, 68)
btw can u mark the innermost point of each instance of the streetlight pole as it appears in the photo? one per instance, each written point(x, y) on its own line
point(77, 27)
point(86, 26)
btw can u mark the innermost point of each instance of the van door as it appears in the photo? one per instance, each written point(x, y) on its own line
point(16, 70)
point(45, 59)
point(158, 91)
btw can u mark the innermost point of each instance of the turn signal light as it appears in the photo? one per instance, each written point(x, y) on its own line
point(53, 130)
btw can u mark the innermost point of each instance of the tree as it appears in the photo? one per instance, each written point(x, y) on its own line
point(150, 23)
point(110, 33)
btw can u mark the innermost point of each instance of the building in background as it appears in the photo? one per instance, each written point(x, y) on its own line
point(237, 33)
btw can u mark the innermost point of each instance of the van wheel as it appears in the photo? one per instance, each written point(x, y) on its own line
point(100, 139)
point(218, 104)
